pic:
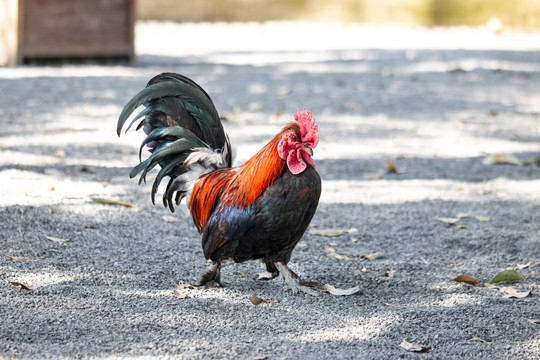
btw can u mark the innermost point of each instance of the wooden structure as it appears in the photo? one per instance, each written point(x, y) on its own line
point(66, 29)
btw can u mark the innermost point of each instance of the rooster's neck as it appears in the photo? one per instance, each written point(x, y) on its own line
point(256, 174)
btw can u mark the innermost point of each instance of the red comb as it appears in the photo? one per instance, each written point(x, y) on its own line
point(308, 129)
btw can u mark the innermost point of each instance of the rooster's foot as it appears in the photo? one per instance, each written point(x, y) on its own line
point(292, 280)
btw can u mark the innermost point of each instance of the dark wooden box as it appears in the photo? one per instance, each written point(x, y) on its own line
point(74, 29)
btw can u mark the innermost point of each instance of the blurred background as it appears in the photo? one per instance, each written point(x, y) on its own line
point(33, 30)
point(516, 13)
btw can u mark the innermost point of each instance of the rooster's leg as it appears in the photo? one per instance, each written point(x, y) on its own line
point(212, 273)
point(292, 280)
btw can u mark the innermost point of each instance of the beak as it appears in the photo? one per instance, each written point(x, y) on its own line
point(307, 149)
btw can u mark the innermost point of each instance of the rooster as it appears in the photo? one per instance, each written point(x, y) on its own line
point(258, 210)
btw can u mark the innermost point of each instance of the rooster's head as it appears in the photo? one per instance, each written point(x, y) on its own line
point(298, 139)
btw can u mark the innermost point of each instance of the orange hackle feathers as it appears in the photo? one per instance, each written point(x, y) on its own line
point(240, 186)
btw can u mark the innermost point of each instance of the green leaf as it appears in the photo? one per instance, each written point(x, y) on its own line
point(507, 275)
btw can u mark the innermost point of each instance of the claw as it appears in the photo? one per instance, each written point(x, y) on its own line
point(291, 280)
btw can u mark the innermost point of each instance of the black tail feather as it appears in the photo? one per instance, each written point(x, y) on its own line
point(179, 119)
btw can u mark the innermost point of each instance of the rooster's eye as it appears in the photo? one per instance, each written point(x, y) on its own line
point(293, 137)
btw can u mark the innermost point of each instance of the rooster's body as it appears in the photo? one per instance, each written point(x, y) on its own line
point(258, 210)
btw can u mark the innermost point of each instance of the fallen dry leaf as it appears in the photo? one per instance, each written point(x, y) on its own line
point(111, 202)
point(340, 292)
point(449, 221)
point(14, 258)
point(507, 275)
point(503, 289)
point(55, 239)
point(476, 338)
point(523, 266)
point(255, 300)
point(24, 259)
point(517, 295)
point(414, 347)
point(22, 286)
point(507, 289)
point(533, 321)
point(180, 294)
point(332, 254)
point(183, 291)
point(390, 167)
point(328, 232)
point(482, 218)
point(501, 158)
point(249, 276)
point(469, 279)
point(374, 176)
point(510, 292)
point(372, 256)
point(170, 218)
point(337, 256)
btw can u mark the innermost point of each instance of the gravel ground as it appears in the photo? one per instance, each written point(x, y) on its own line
point(437, 103)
